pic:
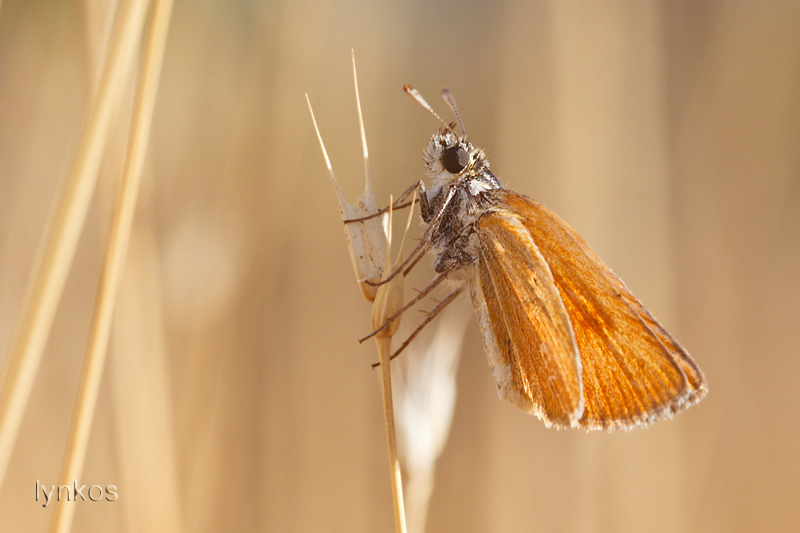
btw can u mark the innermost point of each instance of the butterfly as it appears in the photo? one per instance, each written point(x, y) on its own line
point(566, 340)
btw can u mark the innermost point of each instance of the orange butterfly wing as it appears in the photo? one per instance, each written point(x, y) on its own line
point(566, 339)
point(633, 371)
point(526, 329)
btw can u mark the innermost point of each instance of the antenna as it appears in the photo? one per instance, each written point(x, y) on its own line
point(413, 93)
point(451, 101)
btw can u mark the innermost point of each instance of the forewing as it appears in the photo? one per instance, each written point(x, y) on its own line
point(526, 329)
point(634, 372)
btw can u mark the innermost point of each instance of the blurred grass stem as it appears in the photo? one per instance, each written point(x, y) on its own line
point(54, 260)
point(94, 362)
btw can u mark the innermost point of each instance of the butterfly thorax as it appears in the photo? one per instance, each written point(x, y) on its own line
point(463, 189)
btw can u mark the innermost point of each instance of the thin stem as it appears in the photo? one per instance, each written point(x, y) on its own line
point(384, 349)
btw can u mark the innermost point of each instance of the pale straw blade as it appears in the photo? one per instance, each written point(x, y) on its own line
point(94, 361)
point(64, 229)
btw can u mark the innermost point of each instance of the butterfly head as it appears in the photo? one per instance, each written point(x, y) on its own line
point(450, 158)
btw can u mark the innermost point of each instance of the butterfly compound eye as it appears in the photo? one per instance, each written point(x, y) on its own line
point(454, 159)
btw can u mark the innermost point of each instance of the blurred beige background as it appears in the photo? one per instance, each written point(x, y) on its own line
point(236, 396)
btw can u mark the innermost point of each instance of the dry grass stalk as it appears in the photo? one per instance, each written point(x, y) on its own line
point(64, 229)
point(388, 301)
point(94, 361)
point(366, 240)
point(369, 243)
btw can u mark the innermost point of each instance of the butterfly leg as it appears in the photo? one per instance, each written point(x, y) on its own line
point(431, 315)
point(424, 292)
point(400, 203)
point(425, 240)
point(413, 258)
